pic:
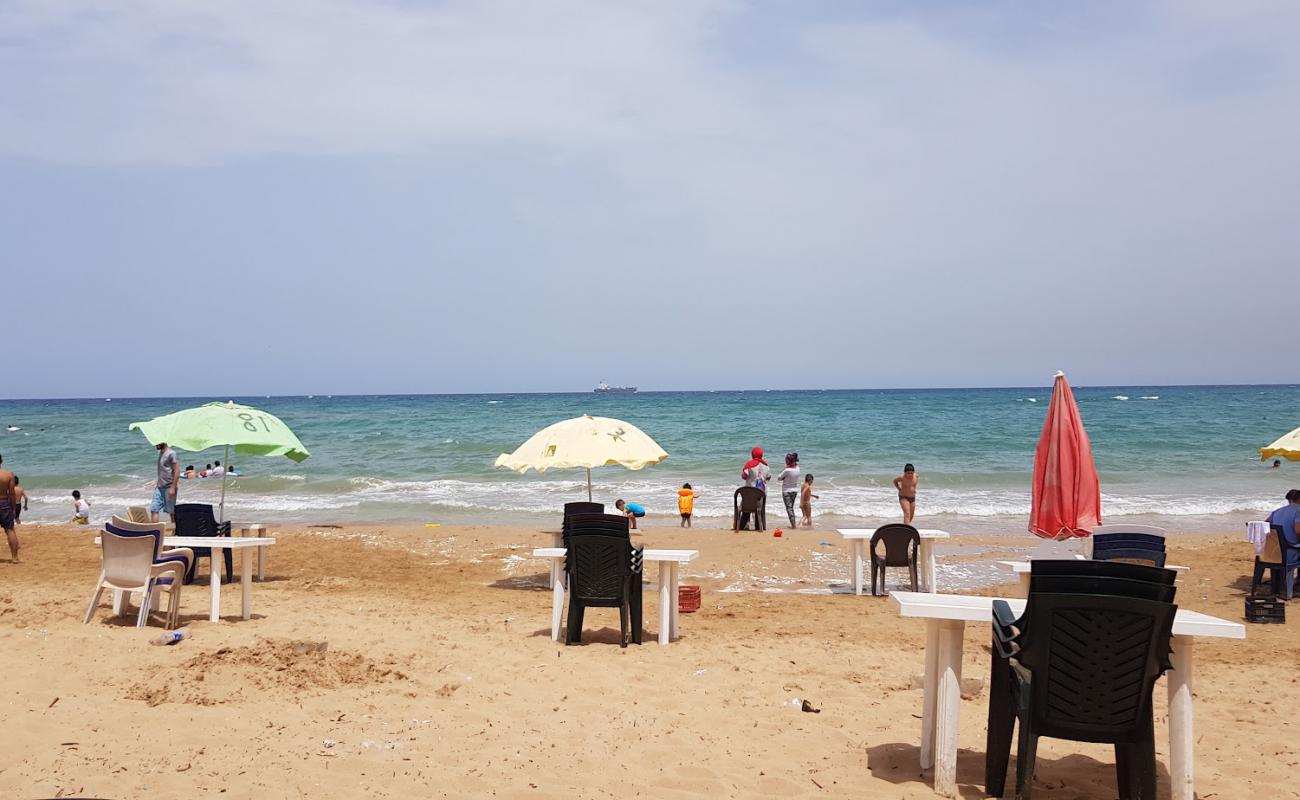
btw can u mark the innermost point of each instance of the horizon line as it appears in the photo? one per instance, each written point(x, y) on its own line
point(589, 392)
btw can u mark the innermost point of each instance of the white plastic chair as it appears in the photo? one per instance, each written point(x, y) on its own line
point(144, 527)
point(137, 514)
point(129, 567)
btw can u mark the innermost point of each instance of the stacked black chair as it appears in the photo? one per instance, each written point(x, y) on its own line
point(1080, 664)
point(197, 519)
point(583, 507)
point(603, 571)
point(902, 542)
point(1155, 558)
point(1128, 541)
point(746, 502)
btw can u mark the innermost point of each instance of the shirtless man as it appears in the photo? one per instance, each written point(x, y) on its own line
point(906, 486)
point(8, 502)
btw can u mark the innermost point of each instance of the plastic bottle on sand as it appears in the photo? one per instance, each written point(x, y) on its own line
point(171, 637)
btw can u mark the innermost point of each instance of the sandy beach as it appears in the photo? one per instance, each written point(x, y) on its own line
point(440, 679)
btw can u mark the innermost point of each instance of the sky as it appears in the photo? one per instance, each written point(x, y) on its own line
point(242, 198)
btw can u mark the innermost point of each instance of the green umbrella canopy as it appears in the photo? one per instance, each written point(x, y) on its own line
point(246, 430)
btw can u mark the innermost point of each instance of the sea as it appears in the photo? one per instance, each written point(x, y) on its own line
point(1183, 457)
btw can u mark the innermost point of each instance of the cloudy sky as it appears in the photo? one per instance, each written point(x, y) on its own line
point(355, 197)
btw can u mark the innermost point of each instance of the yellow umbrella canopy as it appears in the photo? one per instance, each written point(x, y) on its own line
point(1287, 447)
point(584, 442)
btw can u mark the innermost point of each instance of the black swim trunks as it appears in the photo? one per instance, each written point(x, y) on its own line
point(6, 515)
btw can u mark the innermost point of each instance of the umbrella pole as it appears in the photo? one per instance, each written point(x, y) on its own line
point(225, 470)
point(588, 484)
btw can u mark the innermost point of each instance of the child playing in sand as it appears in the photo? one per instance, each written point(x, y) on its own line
point(906, 486)
point(632, 510)
point(80, 509)
point(686, 503)
point(805, 500)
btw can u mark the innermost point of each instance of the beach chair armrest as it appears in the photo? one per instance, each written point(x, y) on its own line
point(223, 529)
point(1004, 629)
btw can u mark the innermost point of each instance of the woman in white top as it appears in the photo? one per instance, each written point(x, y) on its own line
point(790, 485)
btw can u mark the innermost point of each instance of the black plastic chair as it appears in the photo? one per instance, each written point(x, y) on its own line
point(1155, 558)
point(1101, 569)
point(604, 571)
point(1128, 541)
point(1282, 577)
point(197, 519)
point(749, 500)
point(583, 507)
point(1081, 667)
point(902, 542)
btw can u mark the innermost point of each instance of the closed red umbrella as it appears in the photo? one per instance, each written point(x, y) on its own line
point(1067, 494)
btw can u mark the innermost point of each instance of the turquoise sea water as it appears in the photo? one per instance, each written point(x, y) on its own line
point(1186, 456)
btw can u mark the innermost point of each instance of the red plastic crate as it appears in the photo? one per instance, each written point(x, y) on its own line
point(688, 599)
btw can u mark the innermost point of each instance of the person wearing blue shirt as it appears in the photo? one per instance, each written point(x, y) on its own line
point(632, 510)
point(1288, 519)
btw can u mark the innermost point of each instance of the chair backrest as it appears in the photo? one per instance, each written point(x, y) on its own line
point(128, 560)
point(1126, 541)
point(901, 543)
point(583, 508)
point(598, 567)
point(195, 519)
point(1096, 584)
point(1106, 569)
point(137, 513)
point(125, 528)
point(1135, 555)
point(1094, 659)
point(749, 499)
point(596, 525)
point(1149, 530)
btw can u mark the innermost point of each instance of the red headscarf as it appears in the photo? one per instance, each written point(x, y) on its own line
point(757, 458)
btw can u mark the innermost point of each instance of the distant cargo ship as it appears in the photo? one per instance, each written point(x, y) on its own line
point(605, 388)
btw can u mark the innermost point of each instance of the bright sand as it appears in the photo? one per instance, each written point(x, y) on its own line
point(440, 679)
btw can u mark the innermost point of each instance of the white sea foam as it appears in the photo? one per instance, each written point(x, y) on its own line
point(1120, 397)
point(1149, 397)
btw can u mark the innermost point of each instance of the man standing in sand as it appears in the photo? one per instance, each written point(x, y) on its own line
point(169, 478)
point(8, 502)
point(906, 486)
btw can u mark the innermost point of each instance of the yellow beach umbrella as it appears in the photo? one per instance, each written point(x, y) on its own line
point(1287, 447)
point(584, 442)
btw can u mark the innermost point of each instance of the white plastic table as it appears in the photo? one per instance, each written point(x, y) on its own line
point(861, 536)
point(669, 563)
point(217, 543)
point(946, 616)
point(1022, 569)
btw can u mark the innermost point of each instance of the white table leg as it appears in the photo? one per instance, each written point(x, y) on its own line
point(557, 597)
point(674, 596)
point(1181, 735)
point(214, 578)
point(557, 540)
point(931, 685)
point(665, 613)
point(855, 568)
point(948, 707)
point(928, 570)
point(246, 574)
point(261, 556)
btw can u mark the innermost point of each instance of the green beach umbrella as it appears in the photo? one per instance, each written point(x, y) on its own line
point(249, 431)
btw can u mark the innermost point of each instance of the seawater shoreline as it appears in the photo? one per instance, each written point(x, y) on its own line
point(1186, 455)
